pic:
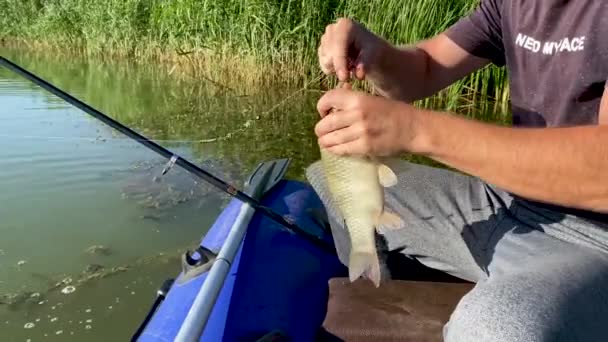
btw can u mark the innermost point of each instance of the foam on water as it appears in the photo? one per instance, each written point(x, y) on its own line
point(61, 175)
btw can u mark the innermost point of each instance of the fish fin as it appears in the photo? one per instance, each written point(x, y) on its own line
point(391, 161)
point(339, 217)
point(386, 176)
point(389, 220)
point(364, 263)
point(319, 216)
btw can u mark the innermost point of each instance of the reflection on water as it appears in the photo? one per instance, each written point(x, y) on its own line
point(90, 228)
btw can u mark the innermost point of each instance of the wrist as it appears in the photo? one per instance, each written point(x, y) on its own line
point(419, 124)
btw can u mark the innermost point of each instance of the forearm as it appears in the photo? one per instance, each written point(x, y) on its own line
point(563, 166)
point(402, 74)
point(414, 72)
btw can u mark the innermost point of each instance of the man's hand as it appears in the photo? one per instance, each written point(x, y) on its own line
point(408, 73)
point(347, 45)
point(355, 123)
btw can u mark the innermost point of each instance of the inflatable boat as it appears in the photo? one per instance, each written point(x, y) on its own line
point(267, 270)
point(251, 277)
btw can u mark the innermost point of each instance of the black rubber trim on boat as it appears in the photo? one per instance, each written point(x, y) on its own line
point(161, 294)
point(274, 336)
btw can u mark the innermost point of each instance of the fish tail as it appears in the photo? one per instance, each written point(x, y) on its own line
point(364, 263)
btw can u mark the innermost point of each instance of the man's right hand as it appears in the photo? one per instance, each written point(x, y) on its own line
point(347, 46)
point(407, 73)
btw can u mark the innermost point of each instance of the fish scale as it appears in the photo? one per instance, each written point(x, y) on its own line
point(356, 186)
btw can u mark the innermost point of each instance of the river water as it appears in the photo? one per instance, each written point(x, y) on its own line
point(84, 209)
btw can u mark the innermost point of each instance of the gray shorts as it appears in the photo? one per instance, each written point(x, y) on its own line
point(540, 274)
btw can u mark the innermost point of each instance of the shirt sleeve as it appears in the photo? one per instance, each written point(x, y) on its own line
point(480, 33)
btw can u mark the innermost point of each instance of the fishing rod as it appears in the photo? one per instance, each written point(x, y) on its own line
point(173, 158)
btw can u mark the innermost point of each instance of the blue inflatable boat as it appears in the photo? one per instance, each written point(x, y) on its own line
point(263, 267)
point(251, 277)
point(262, 272)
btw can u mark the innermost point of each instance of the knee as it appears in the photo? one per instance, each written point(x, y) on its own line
point(492, 313)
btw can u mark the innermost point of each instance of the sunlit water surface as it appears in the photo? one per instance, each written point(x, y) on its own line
point(89, 227)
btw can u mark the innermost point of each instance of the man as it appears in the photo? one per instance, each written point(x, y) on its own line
point(528, 223)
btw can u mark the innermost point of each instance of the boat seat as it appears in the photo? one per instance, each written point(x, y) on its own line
point(399, 310)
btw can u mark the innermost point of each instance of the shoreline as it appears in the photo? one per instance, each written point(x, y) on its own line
point(238, 44)
point(249, 75)
point(227, 69)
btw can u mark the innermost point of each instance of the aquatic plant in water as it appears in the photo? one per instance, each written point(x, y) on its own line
point(236, 42)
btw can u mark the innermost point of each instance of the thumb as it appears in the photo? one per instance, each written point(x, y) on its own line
point(362, 64)
point(344, 85)
point(333, 99)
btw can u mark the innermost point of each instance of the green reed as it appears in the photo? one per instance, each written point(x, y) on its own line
point(252, 42)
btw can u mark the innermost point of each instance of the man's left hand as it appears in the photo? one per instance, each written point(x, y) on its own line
point(356, 123)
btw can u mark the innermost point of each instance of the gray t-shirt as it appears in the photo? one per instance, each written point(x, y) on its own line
point(555, 51)
point(556, 55)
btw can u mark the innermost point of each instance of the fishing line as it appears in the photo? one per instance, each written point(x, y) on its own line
point(99, 139)
point(226, 136)
point(316, 79)
point(174, 158)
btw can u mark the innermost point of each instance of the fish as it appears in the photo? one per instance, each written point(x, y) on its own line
point(356, 186)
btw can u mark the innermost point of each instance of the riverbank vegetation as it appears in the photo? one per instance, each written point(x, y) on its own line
point(246, 42)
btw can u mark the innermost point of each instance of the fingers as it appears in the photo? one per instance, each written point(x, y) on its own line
point(325, 60)
point(361, 66)
point(336, 121)
point(326, 65)
point(333, 50)
point(345, 85)
point(354, 147)
point(347, 45)
point(342, 41)
point(340, 64)
point(339, 137)
point(359, 72)
point(333, 99)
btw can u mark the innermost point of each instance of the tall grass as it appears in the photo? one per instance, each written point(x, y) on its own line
point(240, 41)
